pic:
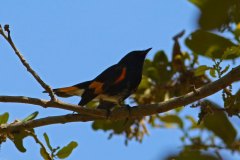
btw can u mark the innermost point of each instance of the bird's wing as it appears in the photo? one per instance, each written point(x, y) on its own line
point(109, 77)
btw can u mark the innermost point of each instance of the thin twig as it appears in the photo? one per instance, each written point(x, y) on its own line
point(25, 63)
point(41, 144)
point(218, 155)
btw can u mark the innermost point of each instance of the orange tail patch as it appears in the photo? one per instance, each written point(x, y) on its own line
point(68, 91)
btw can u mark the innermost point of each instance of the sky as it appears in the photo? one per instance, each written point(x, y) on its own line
point(67, 42)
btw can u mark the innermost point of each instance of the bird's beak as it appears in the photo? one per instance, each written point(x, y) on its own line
point(146, 51)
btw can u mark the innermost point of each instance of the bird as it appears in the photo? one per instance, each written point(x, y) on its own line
point(113, 85)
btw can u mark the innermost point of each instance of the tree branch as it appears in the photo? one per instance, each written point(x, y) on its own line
point(86, 114)
point(25, 63)
point(47, 121)
point(53, 104)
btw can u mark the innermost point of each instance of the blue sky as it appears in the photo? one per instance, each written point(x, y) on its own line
point(67, 42)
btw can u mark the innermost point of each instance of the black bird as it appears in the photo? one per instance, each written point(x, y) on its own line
point(113, 85)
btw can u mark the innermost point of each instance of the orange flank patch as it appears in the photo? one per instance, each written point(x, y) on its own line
point(97, 86)
point(68, 89)
point(122, 76)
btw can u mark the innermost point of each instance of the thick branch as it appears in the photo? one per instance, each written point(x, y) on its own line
point(25, 63)
point(120, 113)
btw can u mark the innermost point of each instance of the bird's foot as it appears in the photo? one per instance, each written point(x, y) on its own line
point(108, 114)
point(129, 114)
point(129, 109)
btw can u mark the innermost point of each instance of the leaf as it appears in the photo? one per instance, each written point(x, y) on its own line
point(67, 150)
point(193, 155)
point(172, 119)
point(177, 56)
point(160, 58)
point(30, 117)
point(152, 72)
point(192, 120)
point(212, 72)
point(18, 140)
point(225, 69)
point(237, 32)
point(220, 125)
point(4, 118)
point(214, 13)
point(117, 126)
point(47, 141)
point(44, 154)
point(231, 52)
point(92, 104)
point(209, 44)
point(201, 70)
point(144, 83)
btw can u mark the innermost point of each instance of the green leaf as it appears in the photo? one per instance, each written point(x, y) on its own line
point(67, 150)
point(225, 70)
point(220, 125)
point(18, 140)
point(47, 141)
point(212, 72)
point(30, 117)
point(231, 52)
point(237, 33)
point(117, 126)
point(144, 83)
point(152, 72)
point(92, 104)
point(214, 13)
point(160, 58)
point(208, 44)
point(172, 119)
point(192, 120)
point(201, 70)
point(192, 155)
point(4, 118)
point(44, 154)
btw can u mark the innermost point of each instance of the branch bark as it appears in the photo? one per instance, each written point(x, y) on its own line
point(86, 114)
point(25, 63)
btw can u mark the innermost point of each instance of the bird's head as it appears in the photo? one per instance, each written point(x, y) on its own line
point(134, 58)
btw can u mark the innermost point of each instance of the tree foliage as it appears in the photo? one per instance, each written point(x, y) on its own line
point(163, 78)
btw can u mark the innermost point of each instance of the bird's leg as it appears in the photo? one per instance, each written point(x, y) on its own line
point(107, 106)
point(129, 109)
point(108, 113)
point(120, 103)
point(129, 112)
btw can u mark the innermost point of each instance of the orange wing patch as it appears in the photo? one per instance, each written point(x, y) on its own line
point(97, 86)
point(122, 76)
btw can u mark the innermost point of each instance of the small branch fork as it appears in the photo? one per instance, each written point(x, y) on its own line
point(40, 143)
point(24, 62)
point(86, 114)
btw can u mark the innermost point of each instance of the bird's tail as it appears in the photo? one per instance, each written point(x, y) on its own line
point(75, 90)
